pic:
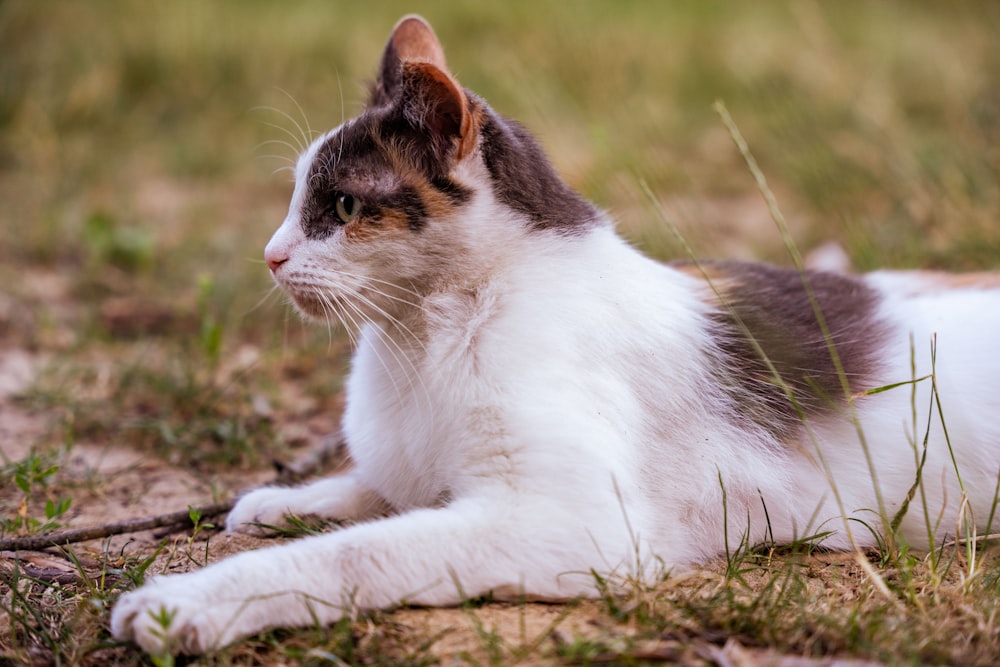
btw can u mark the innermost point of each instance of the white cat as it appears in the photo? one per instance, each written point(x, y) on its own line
point(532, 399)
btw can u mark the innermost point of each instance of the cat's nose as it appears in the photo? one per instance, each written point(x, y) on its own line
point(274, 257)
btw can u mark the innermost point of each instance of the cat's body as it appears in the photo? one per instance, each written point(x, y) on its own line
point(531, 399)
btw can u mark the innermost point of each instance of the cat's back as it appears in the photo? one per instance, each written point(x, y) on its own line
point(947, 325)
point(958, 313)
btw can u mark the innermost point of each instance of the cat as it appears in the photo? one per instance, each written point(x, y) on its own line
point(532, 400)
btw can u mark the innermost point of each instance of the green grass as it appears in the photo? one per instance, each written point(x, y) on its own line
point(138, 150)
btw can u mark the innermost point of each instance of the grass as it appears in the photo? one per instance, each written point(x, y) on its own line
point(138, 147)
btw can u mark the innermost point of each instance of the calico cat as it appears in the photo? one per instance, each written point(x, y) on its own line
point(531, 399)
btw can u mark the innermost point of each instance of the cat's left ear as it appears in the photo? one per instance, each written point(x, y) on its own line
point(433, 102)
point(414, 75)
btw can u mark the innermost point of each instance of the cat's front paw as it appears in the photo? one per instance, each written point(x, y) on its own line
point(169, 615)
point(254, 512)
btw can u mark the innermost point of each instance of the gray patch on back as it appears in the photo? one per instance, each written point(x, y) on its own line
point(770, 306)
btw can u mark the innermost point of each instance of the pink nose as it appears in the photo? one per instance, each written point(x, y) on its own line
point(274, 257)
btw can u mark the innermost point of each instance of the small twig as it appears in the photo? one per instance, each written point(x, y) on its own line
point(332, 451)
point(46, 575)
point(35, 542)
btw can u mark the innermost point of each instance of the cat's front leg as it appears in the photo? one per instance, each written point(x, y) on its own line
point(508, 545)
point(340, 497)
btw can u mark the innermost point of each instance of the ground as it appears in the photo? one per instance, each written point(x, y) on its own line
point(146, 366)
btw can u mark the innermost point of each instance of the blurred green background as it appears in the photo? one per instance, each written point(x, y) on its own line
point(141, 144)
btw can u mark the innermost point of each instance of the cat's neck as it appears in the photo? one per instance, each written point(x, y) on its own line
point(492, 256)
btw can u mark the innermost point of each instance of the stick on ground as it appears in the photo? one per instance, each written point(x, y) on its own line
point(332, 451)
point(36, 542)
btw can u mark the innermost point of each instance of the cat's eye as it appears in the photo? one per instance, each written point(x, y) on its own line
point(347, 208)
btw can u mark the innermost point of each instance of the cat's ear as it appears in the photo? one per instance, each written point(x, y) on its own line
point(414, 75)
point(434, 102)
point(412, 39)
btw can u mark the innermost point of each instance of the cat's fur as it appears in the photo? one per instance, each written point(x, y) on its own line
point(532, 399)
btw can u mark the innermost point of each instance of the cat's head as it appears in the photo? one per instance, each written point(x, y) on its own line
point(423, 188)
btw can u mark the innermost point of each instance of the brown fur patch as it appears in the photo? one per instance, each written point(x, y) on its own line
point(363, 231)
point(436, 203)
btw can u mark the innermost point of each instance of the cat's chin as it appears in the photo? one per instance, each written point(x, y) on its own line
point(312, 308)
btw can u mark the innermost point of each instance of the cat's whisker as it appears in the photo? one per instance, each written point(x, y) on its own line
point(331, 307)
point(397, 351)
point(330, 160)
point(290, 167)
point(356, 294)
point(410, 371)
point(264, 299)
point(279, 142)
point(348, 305)
point(382, 282)
point(352, 302)
point(309, 134)
point(302, 139)
point(391, 297)
point(340, 88)
point(289, 133)
point(329, 325)
point(363, 284)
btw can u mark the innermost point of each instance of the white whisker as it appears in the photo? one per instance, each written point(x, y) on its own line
point(362, 283)
point(395, 349)
point(330, 306)
point(302, 138)
point(340, 87)
point(309, 134)
point(381, 282)
point(280, 142)
point(264, 299)
point(291, 135)
point(356, 294)
point(378, 332)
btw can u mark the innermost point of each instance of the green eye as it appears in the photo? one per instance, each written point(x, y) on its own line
point(347, 208)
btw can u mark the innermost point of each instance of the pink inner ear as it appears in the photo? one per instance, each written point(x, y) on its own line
point(413, 39)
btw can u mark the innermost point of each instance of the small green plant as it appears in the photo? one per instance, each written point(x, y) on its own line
point(108, 242)
point(197, 527)
point(31, 476)
point(210, 328)
point(163, 618)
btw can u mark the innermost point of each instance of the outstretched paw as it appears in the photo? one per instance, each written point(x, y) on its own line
point(165, 618)
point(254, 512)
